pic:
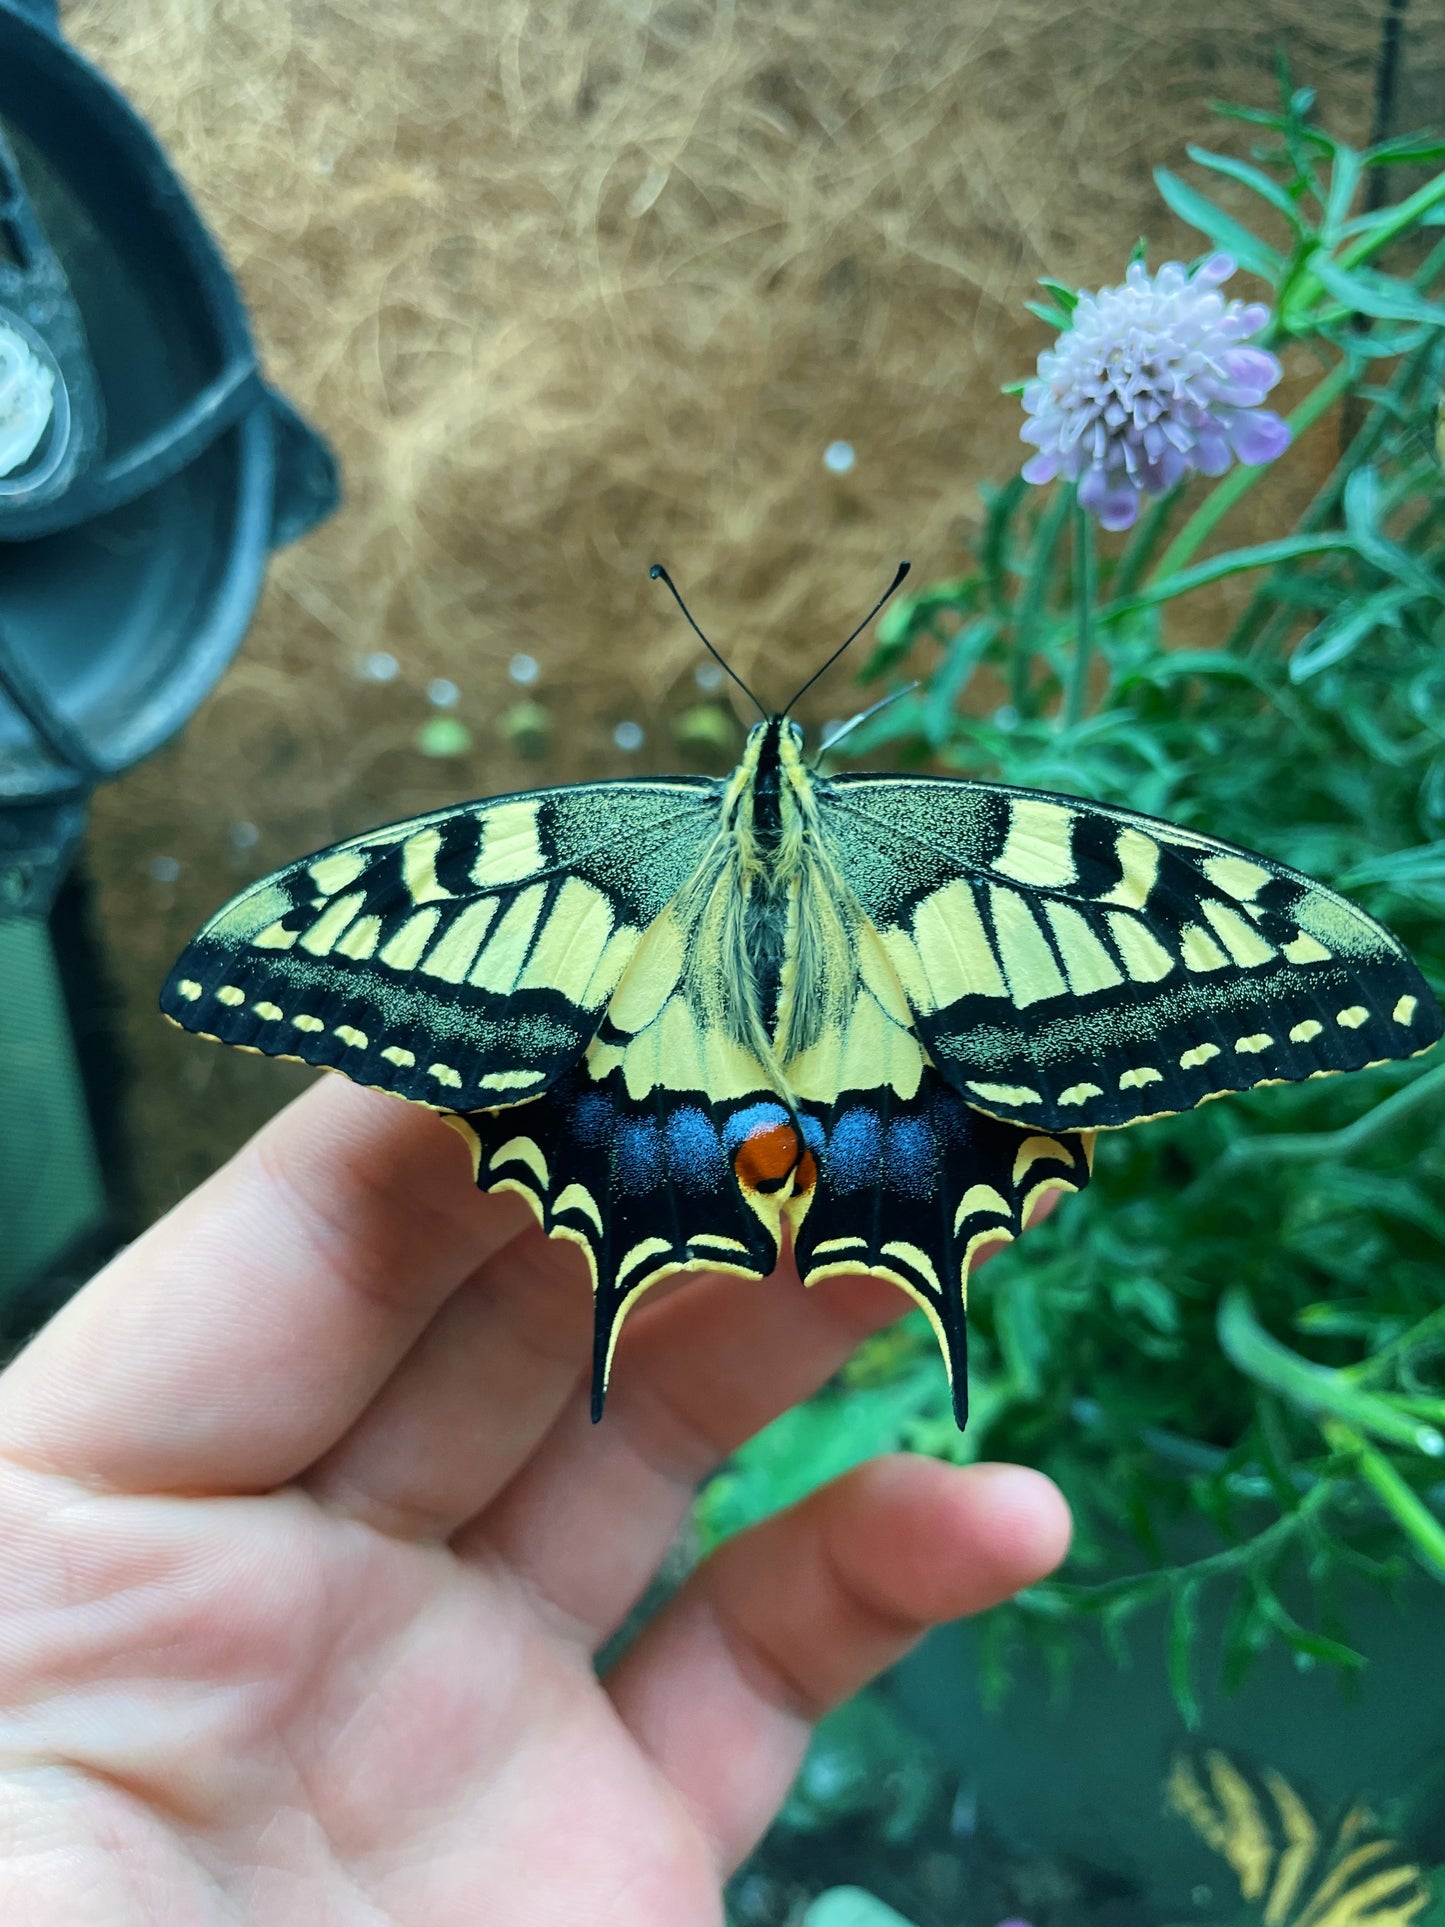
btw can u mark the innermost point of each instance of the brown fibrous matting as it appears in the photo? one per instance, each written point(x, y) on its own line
point(574, 288)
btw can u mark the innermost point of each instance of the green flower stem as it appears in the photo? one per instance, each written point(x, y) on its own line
point(1407, 1508)
point(1303, 285)
point(1228, 490)
point(1037, 582)
point(1298, 1147)
point(1084, 573)
point(1404, 215)
point(1313, 1388)
point(1053, 1595)
point(1144, 539)
point(1371, 433)
point(1419, 1341)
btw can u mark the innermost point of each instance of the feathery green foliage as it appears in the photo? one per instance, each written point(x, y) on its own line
point(1244, 1317)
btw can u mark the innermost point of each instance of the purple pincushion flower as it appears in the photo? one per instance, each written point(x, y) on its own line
point(1148, 381)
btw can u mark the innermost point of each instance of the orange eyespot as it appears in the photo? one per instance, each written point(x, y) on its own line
point(765, 1158)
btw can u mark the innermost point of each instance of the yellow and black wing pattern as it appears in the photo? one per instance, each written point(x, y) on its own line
point(1087, 967)
point(459, 959)
point(1294, 1871)
point(877, 1017)
point(911, 1190)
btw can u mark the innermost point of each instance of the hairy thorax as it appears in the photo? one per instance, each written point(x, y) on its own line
point(789, 940)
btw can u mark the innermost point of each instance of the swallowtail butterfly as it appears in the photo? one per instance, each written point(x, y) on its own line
point(683, 1016)
point(1294, 1870)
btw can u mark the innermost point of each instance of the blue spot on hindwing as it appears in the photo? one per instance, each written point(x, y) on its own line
point(695, 1160)
point(637, 1154)
point(910, 1157)
point(592, 1119)
point(854, 1157)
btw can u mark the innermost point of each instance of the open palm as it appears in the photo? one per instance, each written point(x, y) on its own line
point(306, 1545)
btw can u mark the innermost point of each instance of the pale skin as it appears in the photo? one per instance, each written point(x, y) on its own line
point(307, 1543)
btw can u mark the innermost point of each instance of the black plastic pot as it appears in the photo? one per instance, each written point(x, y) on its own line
point(133, 540)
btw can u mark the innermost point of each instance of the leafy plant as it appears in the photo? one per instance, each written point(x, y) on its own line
point(1243, 1318)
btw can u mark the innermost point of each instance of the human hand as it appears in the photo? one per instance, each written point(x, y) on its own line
point(307, 1543)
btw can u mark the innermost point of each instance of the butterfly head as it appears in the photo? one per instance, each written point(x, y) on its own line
point(773, 756)
point(777, 731)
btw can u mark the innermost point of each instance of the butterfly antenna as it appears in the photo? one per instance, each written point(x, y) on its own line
point(903, 568)
point(867, 715)
point(659, 574)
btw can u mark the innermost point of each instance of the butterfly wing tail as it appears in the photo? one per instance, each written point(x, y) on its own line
point(914, 1190)
point(644, 1188)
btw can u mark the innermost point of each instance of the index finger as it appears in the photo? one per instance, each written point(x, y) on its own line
point(236, 1340)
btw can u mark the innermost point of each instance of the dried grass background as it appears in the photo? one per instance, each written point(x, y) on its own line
point(576, 284)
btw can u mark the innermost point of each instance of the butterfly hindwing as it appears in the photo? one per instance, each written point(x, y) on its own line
point(1082, 966)
point(458, 959)
point(910, 1190)
point(647, 1187)
point(913, 1189)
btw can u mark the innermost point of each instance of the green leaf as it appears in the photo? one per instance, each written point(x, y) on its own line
point(807, 1446)
point(1406, 149)
point(948, 683)
point(1274, 1453)
point(1056, 317)
point(851, 1907)
point(1253, 178)
point(1245, 1635)
point(903, 623)
point(1176, 664)
point(1344, 180)
point(1382, 296)
point(1000, 507)
point(1183, 1630)
point(1251, 116)
point(1264, 555)
point(1314, 1646)
point(1425, 863)
point(1066, 297)
point(1225, 232)
point(1312, 1388)
point(1342, 631)
point(1414, 1517)
point(1364, 514)
point(1022, 1335)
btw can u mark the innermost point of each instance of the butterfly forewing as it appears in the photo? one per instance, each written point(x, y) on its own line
point(1079, 966)
point(459, 959)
